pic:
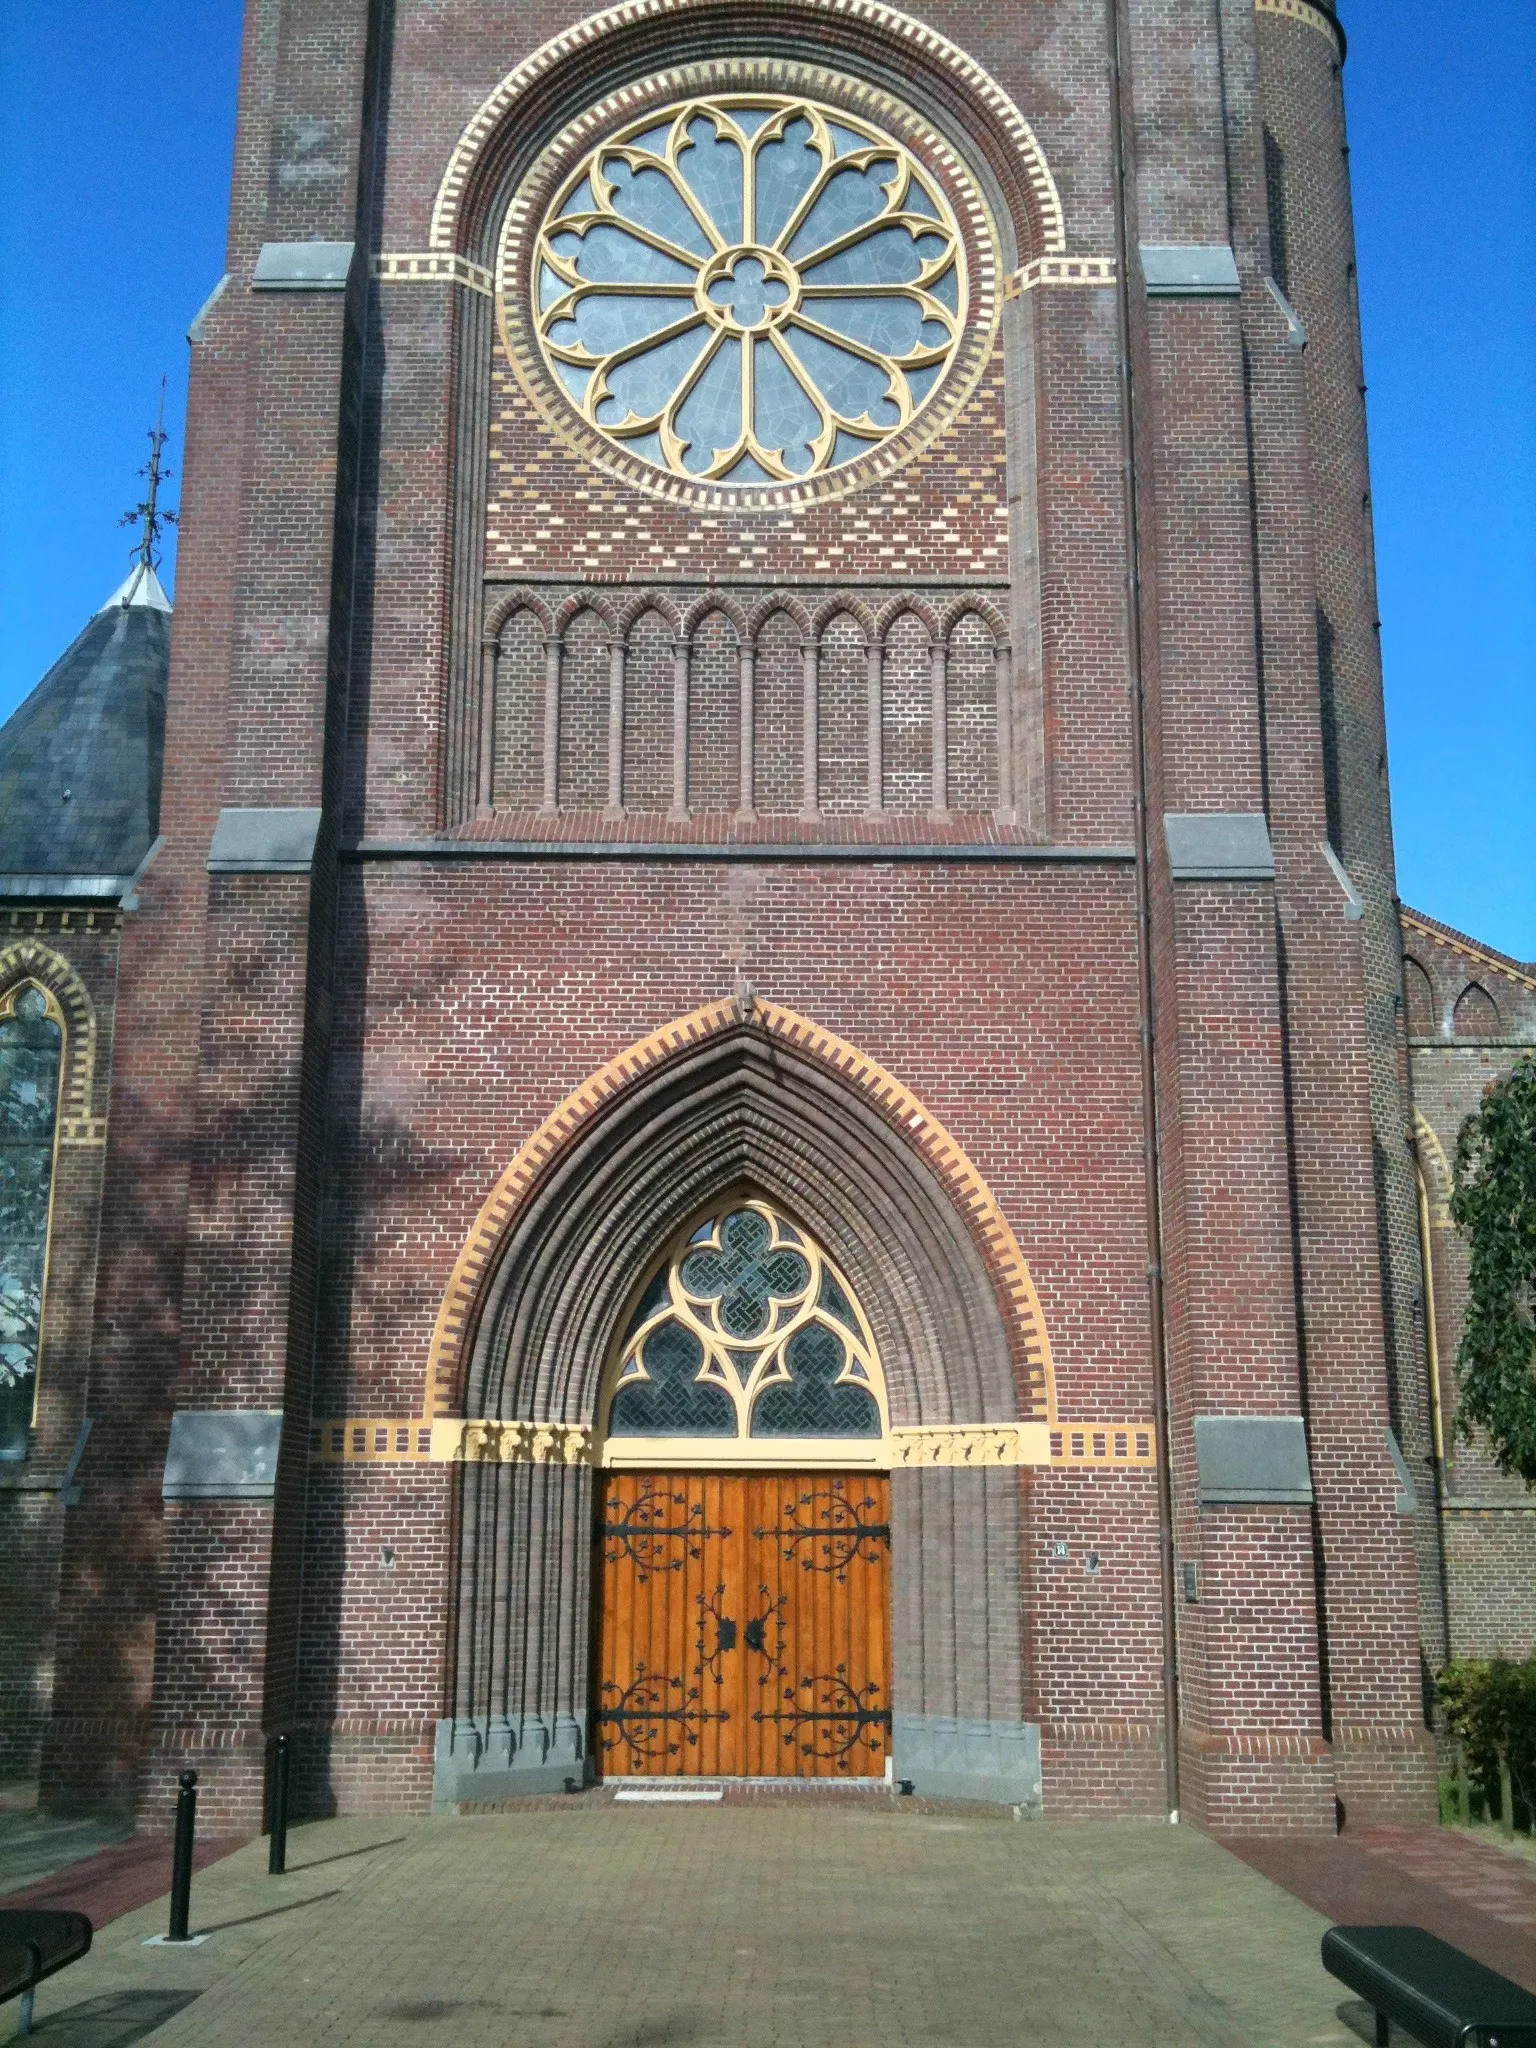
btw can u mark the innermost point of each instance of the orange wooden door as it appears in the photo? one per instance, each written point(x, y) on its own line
point(745, 1625)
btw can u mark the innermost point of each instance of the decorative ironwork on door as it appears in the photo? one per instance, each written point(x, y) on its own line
point(745, 1625)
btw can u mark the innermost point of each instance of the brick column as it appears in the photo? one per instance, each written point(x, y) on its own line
point(226, 1635)
point(1253, 1751)
point(1373, 1699)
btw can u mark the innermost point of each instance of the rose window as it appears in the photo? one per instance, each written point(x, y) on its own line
point(750, 288)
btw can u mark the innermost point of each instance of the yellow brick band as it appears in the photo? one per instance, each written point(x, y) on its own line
point(899, 28)
point(372, 1440)
point(1059, 270)
point(1477, 955)
point(430, 266)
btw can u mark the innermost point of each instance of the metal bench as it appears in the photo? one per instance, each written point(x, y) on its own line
point(1433, 1992)
point(33, 1946)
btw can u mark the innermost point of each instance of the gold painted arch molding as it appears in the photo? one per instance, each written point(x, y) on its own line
point(943, 1155)
point(437, 1435)
point(900, 29)
point(25, 961)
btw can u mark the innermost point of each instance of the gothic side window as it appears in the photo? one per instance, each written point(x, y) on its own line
point(31, 1054)
point(747, 1335)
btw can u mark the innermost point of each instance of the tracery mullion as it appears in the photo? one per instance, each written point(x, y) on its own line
point(829, 419)
point(580, 223)
point(871, 355)
point(928, 307)
point(667, 417)
point(748, 436)
point(917, 360)
point(909, 290)
point(750, 147)
point(831, 165)
point(600, 365)
point(694, 205)
point(916, 224)
point(891, 367)
point(626, 288)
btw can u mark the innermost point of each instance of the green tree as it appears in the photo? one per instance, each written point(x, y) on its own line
point(1494, 1205)
point(1490, 1708)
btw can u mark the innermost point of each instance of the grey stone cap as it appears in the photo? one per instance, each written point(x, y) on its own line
point(1254, 1459)
point(1354, 908)
point(195, 331)
point(222, 1454)
point(95, 888)
point(302, 267)
point(262, 842)
point(1295, 329)
point(1219, 846)
point(942, 1757)
point(1189, 270)
point(1407, 1501)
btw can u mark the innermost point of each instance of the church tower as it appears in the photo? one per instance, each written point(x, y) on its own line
point(756, 1124)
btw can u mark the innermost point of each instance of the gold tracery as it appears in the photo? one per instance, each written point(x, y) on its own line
point(742, 1291)
point(753, 318)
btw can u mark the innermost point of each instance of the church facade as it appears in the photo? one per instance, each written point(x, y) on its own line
point(741, 1107)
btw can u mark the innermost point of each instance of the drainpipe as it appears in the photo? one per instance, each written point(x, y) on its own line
point(1432, 1353)
point(1133, 639)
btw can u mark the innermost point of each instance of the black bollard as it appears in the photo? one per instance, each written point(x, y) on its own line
point(277, 1848)
point(181, 1868)
point(34, 1973)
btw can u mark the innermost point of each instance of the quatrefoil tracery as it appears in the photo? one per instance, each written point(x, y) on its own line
point(747, 1331)
point(749, 288)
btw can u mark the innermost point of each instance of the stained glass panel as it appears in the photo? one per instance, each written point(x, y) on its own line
point(812, 1402)
point(672, 1400)
point(746, 1273)
point(748, 290)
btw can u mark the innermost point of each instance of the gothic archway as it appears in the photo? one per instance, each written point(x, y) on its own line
point(743, 1107)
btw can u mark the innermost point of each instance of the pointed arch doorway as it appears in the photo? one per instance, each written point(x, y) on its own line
point(744, 1528)
point(751, 1097)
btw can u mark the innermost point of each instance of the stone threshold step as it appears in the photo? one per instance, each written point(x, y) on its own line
point(668, 1795)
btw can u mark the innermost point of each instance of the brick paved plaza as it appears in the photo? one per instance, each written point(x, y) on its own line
point(597, 1924)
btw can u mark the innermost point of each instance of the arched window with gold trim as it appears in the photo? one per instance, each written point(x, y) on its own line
point(746, 1346)
point(31, 1059)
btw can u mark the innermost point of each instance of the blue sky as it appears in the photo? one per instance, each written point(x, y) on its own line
point(115, 145)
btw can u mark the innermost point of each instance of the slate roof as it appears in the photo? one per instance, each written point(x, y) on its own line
point(80, 758)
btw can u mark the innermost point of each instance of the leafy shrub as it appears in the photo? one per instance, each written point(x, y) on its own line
point(1494, 1205)
point(1490, 1707)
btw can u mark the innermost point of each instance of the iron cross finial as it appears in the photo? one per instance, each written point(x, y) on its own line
point(146, 515)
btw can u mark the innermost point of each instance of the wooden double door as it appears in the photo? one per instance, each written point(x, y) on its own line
point(744, 1628)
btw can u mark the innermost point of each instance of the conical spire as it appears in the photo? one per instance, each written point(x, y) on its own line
point(80, 758)
point(141, 586)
